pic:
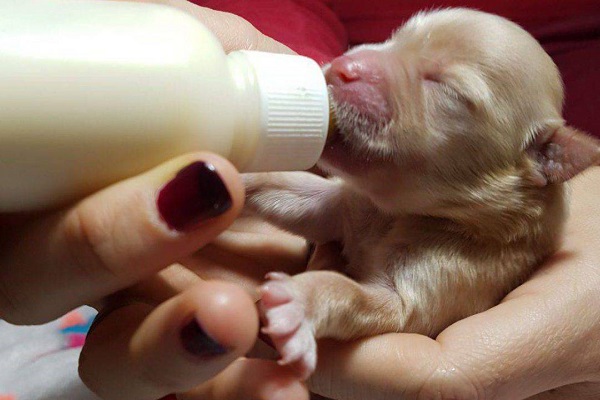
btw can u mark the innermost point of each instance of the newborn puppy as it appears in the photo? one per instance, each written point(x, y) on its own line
point(449, 163)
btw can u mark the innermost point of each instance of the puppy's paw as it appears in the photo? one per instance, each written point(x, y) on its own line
point(283, 310)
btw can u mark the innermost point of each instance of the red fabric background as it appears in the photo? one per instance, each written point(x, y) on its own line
point(323, 29)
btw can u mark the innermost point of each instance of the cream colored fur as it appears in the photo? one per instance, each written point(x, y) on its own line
point(443, 208)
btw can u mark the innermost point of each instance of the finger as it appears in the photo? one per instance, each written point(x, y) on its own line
point(379, 368)
point(580, 391)
point(118, 236)
point(137, 353)
point(234, 32)
point(247, 251)
point(251, 379)
point(158, 288)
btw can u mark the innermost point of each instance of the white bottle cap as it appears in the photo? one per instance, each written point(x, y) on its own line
point(294, 112)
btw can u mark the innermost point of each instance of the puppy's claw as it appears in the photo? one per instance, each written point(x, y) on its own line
point(274, 293)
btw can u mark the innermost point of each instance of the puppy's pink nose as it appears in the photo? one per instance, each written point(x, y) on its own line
point(358, 79)
point(342, 70)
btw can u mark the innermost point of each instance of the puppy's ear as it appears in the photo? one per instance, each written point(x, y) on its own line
point(562, 154)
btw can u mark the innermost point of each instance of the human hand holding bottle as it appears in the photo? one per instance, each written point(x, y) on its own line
point(83, 253)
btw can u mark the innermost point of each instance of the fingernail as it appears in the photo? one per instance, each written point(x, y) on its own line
point(196, 342)
point(196, 194)
point(266, 338)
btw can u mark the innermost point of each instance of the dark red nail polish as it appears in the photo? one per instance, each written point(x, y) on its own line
point(196, 194)
point(267, 339)
point(196, 342)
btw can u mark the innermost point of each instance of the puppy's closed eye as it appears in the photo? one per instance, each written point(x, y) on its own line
point(461, 83)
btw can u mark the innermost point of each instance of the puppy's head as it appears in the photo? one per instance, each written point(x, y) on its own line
point(457, 103)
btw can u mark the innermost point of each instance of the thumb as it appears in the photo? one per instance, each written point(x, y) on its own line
point(118, 236)
point(234, 32)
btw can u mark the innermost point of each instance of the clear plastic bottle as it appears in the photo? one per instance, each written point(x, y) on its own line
point(92, 92)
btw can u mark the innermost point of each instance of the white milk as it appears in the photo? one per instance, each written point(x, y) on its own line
point(92, 92)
